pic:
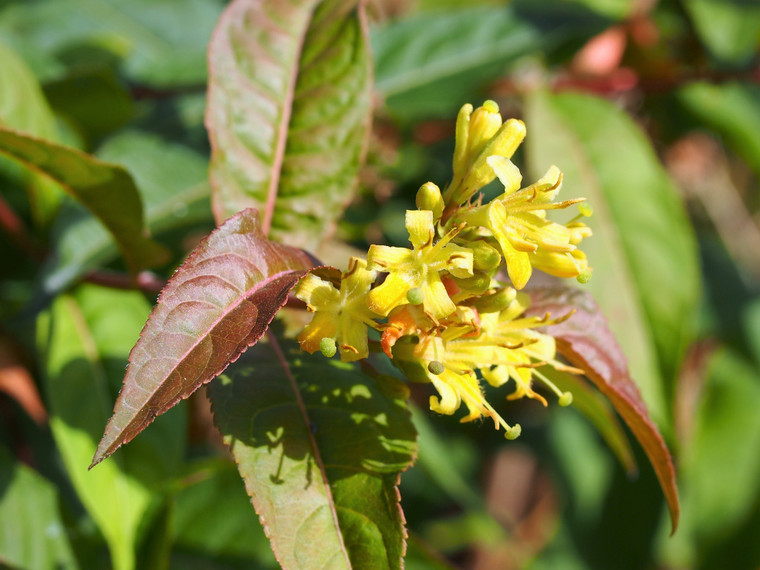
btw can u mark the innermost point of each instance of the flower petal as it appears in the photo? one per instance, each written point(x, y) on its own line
point(436, 300)
point(385, 258)
point(317, 293)
point(392, 293)
point(419, 224)
point(323, 324)
point(508, 173)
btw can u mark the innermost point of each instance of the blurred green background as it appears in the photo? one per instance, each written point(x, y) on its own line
point(652, 111)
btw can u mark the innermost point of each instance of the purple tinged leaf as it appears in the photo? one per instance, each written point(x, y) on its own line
point(289, 109)
point(585, 341)
point(217, 304)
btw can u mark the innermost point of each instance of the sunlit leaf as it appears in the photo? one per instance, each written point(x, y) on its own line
point(83, 341)
point(218, 303)
point(320, 447)
point(643, 252)
point(288, 113)
point(32, 531)
point(587, 342)
point(107, 190)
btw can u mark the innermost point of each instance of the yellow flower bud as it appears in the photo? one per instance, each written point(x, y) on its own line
point(429, 198)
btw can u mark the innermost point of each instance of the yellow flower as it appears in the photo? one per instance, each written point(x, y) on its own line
point(433, 360)
point(341, 314)
point(517, 219)
point(480, 134)
point(418, 268)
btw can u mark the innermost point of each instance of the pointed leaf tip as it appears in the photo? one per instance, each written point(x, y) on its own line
point(586, 341)
point(217, 304)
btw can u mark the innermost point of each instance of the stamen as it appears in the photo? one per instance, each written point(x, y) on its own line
point(566, 398)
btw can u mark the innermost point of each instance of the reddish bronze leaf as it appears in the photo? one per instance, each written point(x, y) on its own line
point(586, 341)
point(218, 303)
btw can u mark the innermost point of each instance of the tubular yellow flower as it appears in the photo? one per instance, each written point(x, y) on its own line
point(517, 219)
point(480, 134)
point(341, 314)
point(419, 267)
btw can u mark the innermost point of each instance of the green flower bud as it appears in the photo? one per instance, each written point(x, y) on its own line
point(476, 285)
point(484, 256)
point(496, 302)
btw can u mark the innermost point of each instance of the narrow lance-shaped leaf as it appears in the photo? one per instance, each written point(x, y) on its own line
point(107, 190)
point(288, 112)
point(218, 303)
point(586, 341)
point(320, 447)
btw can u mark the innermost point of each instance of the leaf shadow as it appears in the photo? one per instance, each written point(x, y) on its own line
point(348, 423)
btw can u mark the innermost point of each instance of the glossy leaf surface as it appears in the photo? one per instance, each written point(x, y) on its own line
point(586, 341)
point(643, 251)
point(288, 113)
point(107, 190)
point(83, 340)
point(218, 303)
point(320, 447)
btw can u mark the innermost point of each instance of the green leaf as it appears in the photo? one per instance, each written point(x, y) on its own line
point(586, 342)
point(107, 190)
point(213, 516)
point(217, 304)
point(732, 110)
point(174, 190)
point(83, 341)
point(721, 466)
point(32, 532)
point(288, 113)
point(593, 405)
point(730, 29)
point(320, 448)
point(23, 107)
point(429, 64)
point(643, 251)
point(92, 101)
point(157, 43)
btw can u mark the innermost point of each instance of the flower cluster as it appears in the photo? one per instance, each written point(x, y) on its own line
point(442, 307)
